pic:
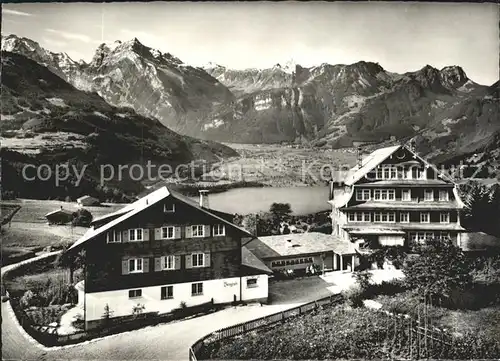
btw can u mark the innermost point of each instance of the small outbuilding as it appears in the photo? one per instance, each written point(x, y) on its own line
point(59, 216)
point(87, 201)
point(300, 251)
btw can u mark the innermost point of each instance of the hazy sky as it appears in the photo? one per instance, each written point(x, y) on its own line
point(400, 36)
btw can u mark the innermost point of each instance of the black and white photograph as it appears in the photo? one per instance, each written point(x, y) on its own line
point(250, 180)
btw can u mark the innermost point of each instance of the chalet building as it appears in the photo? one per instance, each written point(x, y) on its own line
point(164, 250)
point(299, 251)
point(395, 197)
point(59, 216)
point(87, 201)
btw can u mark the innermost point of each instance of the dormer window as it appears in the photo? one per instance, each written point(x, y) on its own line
point(169, 208)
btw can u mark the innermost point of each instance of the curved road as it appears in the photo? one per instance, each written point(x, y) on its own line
point(162, 342)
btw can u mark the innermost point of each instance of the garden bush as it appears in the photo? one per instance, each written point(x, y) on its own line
point(44, 316)
point(362, 279)
point(340, 333)
point(354, 296)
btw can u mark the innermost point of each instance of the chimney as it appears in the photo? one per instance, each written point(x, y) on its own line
point(359, 157)
point(204, 198)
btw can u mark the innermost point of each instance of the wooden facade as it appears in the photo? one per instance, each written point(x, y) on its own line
point(396, 199)
point(164, 250)
point(222, 254)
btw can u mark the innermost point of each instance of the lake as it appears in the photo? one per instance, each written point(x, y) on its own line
point(303, 200)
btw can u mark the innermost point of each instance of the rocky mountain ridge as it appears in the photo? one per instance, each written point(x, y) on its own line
point(46, 120)
point(324, 106)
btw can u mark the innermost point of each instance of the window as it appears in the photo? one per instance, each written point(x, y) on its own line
point(134, 293)
point(114, 237)
point(406, 195)
point(416, 173)
point(384, 194)
point(135, 234)
point(425, 217)
point(394, 174)
point(379, 173)
point(444, 235)
point(196, 289)
point(198, 231)
point(352, 216)
point(428, 195)
point(168, 263)
point(429, 235)
point(366, 217)
point(391, 193)
point(169, 208)
point(443, 196)
point(219, 230)
point(167, 292)
point(252, 282)
point(168, 232)
point(386, 172)
point(404, 217)
point(198, 259)
point(384, 217)
point(362, 194)
point(444, 217)
point(135, 265)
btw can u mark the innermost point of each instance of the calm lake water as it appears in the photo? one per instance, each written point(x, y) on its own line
point(303, 200)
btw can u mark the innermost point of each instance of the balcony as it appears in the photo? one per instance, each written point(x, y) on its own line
point(397, 227)
point(414, 204)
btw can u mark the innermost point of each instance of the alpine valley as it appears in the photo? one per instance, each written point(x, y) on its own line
point(327, 106)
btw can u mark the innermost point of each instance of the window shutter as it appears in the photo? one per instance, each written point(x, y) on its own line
point(157, 233)
point(207, 260)
point(189, 232)
point(145, 234)
point(125, 236)
point(177, 262)
point(188, 261)
point(207, 230)
point(145, 265)
point(157, 264)
point(124, 266)
point(177, 232)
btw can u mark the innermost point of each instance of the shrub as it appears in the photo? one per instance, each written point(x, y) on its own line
point(138, 309)
point(439, 268)
point(46, 315)
point(363, 279)
point(29, 299)
point(82, 217)
point(354, 296)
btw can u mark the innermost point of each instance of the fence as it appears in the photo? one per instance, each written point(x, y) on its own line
point(403, 335)
point(258, 323)
point(48, 336)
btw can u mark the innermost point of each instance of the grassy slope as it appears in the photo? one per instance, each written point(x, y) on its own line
point(34, 99)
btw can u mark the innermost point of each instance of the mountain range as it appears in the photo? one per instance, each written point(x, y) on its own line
point(51, 122)
point(326, 106)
